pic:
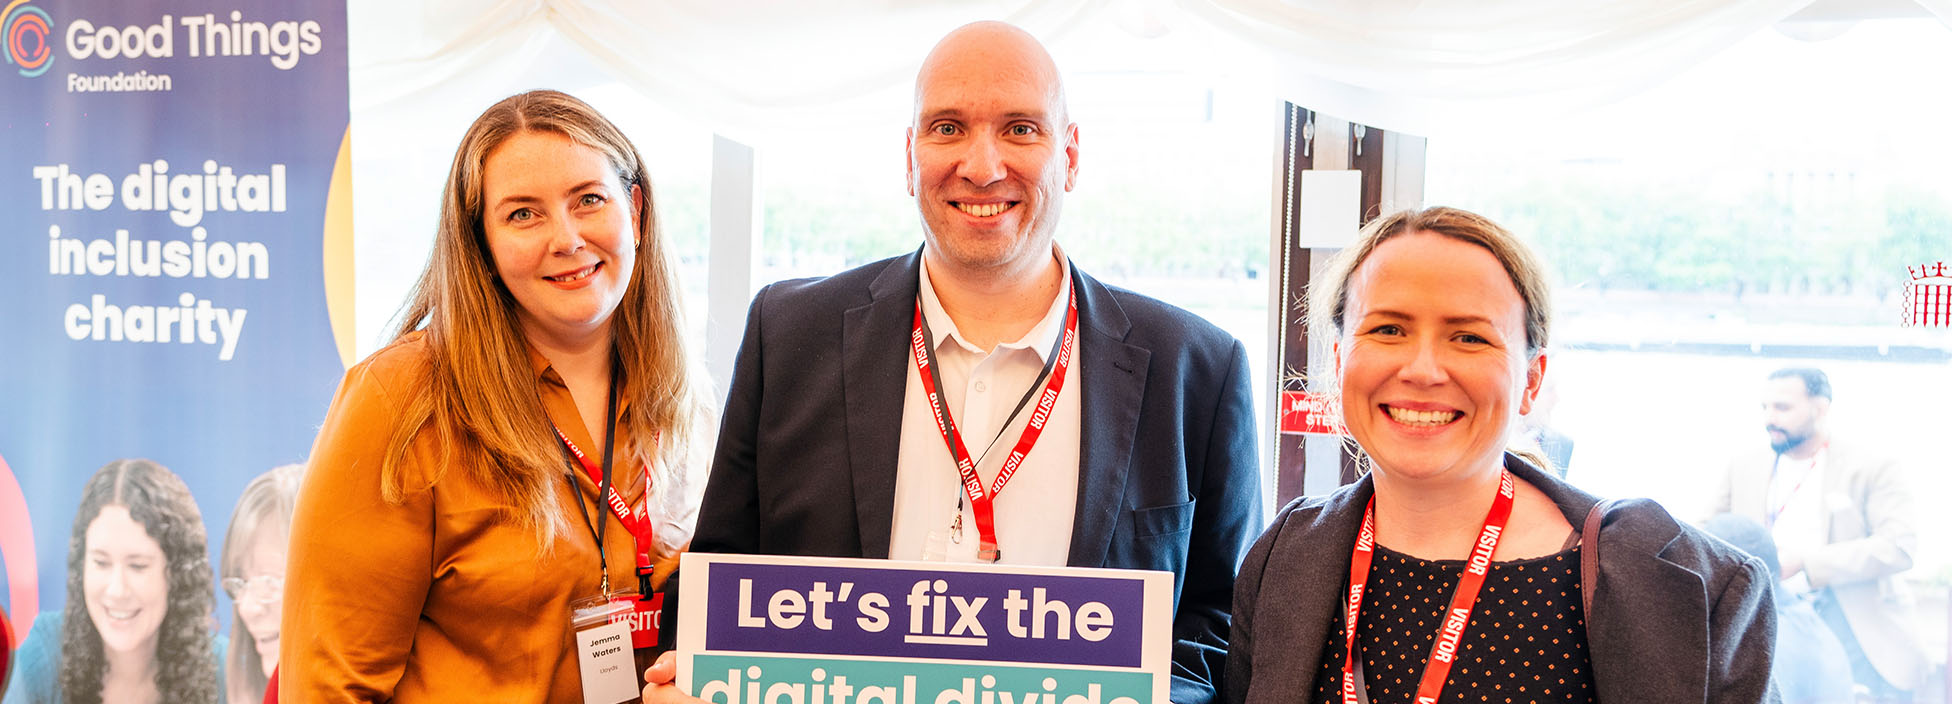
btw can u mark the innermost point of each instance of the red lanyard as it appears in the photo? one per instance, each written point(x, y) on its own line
point(637, 522)
point(1437, 668)
point(981, 501)
point(1791, 496)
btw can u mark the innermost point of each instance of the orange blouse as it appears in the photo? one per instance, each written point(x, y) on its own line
point(439, 598)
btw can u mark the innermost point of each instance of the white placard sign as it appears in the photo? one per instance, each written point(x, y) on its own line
point(763, 629)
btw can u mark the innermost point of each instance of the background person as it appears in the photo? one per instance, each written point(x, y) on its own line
point(440, 536)
point(137, 625)
point(1440, 318)
point(253, 569)
point(1841, 513)
point(1811, 667)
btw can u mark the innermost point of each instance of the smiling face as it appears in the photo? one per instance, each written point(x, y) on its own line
point(561, 227)
point(125, 582)
point(991, 151)
point(1432, 361)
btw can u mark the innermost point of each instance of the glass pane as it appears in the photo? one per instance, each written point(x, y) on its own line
point(1757, 214)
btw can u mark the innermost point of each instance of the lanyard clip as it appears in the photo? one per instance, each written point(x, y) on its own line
point(989, 554)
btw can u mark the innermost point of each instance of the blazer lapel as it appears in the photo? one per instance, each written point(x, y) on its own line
point(1656, 652)
point(1302, 618)
point(1751, 495)
point(874, 378)
point(1112, 376)
point(1836, 493)
point(1618, 640)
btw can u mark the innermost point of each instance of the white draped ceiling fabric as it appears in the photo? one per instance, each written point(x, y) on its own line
point(743, 62)
point(733, 63)
point(421, 69)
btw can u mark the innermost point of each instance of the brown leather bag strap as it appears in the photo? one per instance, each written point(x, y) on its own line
point(1589, 555)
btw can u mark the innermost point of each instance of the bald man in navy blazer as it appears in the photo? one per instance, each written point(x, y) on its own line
point(811, 451)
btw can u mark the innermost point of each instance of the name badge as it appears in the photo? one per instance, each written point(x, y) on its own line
point(604, 650)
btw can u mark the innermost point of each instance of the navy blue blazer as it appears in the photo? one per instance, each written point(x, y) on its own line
point(1169, 479)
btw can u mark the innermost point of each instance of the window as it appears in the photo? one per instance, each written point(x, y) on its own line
point(1757, 213)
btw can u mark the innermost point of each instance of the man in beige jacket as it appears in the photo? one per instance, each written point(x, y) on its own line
point(1841, 514)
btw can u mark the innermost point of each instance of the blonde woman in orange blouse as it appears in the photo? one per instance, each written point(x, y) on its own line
point(447, 522)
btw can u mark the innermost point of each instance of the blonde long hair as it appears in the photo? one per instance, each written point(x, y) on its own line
point(482, 397)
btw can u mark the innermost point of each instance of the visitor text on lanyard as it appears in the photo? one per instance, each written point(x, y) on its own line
point(983, 501)
point(1437, 668)
point(637, 522)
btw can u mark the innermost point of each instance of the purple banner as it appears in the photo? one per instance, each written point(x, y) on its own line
point(1021, 618)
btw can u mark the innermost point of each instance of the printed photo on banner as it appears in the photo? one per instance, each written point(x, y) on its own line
point(756, 629)
point(138, 598)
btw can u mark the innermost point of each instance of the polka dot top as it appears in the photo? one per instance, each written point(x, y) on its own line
point(1526, 641)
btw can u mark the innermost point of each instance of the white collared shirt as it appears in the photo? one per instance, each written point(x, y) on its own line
point(1796, 490)
point(1035, 511)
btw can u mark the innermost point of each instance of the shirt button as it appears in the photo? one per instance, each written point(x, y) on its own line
point(982, 387)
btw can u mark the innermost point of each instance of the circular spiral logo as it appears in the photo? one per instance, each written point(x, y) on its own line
point(27, 30)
